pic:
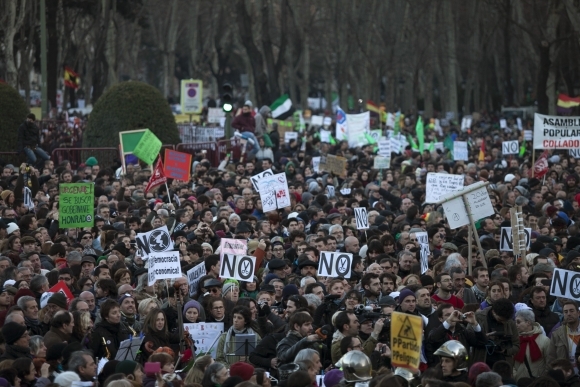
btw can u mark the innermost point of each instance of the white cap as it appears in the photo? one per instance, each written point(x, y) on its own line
point(292, 215)
point(521, 306)
point(508, 178)
point(11, 228)
point(44, 299)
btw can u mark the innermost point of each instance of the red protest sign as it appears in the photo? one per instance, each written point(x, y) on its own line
point(61, 287)
point(177, 165)
point(541, 166)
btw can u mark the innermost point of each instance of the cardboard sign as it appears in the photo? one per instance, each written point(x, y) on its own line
point(76, 205)
point(205, 336)
point(274, 192)
point(334, 164)
point(554, 132)
point(406, 340)
point(256, 178)
point(290, 136)
point(423, 240)
point(154, 241)
point(510, 147)
point(460, 151)
point(566, 284)
point(439, 184)
point(381, 162)
point(148, 147)
point(335, 264)
point(506, 242)
point(177, 165)
point(456, 213)
point(193, 276)
point(240, 267)
point(362, 218)
point(163, 266)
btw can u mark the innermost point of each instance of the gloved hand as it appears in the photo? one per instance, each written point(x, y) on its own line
point(264, 310)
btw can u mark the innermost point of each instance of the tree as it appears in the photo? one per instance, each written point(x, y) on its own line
point(13, 111)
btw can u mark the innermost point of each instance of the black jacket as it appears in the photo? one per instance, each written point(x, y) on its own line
point(462, 377)
point(546, 318)
point(14, 352)
point(112, 334)
point(289, 346)
point(265, 351)
point(440, 335)
point(28, 135)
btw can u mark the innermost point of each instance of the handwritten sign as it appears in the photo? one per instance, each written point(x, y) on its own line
point(177, 165)
point(148, 147)
point(193, 276)
point(460, 151)
point(256, 178)
point(205, 336)
point(316, 164)
point(163, 266)
point(406, 340)
point(439, 184)
point(274, 192)
point(214, 115)
point(316, 121)
point(290, 136)
point(76, 205)
point(334, 164)
point(510, 147)
point(325, 136)
point(423, 239)
point(384, 147)
point(381, 162)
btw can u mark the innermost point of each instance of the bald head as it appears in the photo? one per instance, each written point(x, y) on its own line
point(375, 268)
point(351, 245)
point(126, 288)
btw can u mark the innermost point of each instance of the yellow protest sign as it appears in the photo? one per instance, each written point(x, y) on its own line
point(334, 164)
point(406, 338)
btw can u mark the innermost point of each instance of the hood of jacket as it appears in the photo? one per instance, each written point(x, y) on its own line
point(265, 110)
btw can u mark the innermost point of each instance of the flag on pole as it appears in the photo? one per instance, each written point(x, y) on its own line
point(71, 78)
point(341, 125)
point(397, 123)
point(158, 177)
point(482, 151)
point(541, 166)
point(372, 107)
point(420, 132)
point(523, 149)
point(282, 108)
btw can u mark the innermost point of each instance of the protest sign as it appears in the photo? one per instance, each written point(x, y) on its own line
point(334, 264)
point(316, 164)
point(191, 96)
point(396, 145)
point(193, 276)
point(362, 218)
point(233, 246)
point(154, 241)
point(566, 284)
point(381, 162)
point(479, 205)
point(330, 190)
point(334, 164)
point(214, 115)
point(384, 147)
point(316, 121)
point(406, 340)
point(440, 146)
point(177, 165)
point(423, 240)
point(358, 125)
point(554, 132)
point(274, 192)
point(240, 267)
point(290, 136)
point(510, 147)
point(439, 184)
point(574, 153)
point(460, 151)
point(325, 136)
point(327, 121)
point(163, 265)
point(506, 241)
point(390, 120)
point(256, 178)
point(60, 287)
point(76, 205)
point(466, 123)
point(503, 123)
point(528, 135)
point(456, 213)
point(205, 336)
point(376, 134)
point(148, 147)
point(519, 122)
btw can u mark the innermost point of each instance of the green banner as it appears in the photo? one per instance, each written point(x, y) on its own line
point(148, 147)
point(76, 205)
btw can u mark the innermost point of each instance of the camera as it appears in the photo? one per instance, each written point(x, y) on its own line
point(500, 342)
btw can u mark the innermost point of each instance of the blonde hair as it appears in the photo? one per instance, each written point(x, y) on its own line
point(195, 374)
point(144, 304)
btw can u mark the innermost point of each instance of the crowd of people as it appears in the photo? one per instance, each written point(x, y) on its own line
point(494, 323)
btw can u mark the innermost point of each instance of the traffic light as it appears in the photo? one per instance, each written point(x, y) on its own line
point(227, 98)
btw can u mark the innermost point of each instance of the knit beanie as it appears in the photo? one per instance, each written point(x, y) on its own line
point(475, 370)
point(228, 286)
point(333, 377)
point(126, 367)
point(289, 290)
point(191, 304)
point(12, 332)
point(4, 195)
point(243, 370)
point(426, 280)
point(54, 352)
point(91, 161)
point(59, 300)
point(67, 378)
point(4, 383)
point(404, 294)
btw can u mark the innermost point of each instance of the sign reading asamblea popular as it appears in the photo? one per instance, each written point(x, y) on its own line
point(555, 132)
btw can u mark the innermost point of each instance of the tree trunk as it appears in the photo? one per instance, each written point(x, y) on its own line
point(267, 47)
point(14, 18)
point(431, 54)
point(451, 67)
point(507, 56)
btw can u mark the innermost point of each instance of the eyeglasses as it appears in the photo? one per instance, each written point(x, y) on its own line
point(214, 290)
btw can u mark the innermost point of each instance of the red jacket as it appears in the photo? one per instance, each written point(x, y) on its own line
point(244, 123)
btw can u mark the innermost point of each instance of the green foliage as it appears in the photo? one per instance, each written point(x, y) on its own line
point(13, 111)
point(129, 106)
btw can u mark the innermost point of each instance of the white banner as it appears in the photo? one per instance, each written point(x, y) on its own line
point(358, 125)
point(439, 184)
point(163, 265)
point(193, 276)
point(154, 241)
point(554, 132)
point(574, 153)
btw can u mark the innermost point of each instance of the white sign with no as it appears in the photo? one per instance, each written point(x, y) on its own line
point(334, 264)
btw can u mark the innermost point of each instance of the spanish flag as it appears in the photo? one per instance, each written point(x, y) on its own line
point(482, 151)
point(372, 107)
point(568, 102)
point(71, 79)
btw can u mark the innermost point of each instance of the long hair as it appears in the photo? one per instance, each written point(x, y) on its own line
point(210, 374)
point(196, 373)
point(149, 323)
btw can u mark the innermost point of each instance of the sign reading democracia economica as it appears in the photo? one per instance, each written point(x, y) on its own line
point(555, 132)
point(76, 205)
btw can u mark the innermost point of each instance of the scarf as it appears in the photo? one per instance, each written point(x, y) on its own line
point(535, 353)
point(337, 336)
point(230, 346)
point(31, 322)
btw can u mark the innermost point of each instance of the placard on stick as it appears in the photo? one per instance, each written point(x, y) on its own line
point(362, 218)
point(76, 205)
point(177, 165)
point(334, 164)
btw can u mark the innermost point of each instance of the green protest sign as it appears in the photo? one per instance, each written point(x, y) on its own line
point(148, 147)
point(76, 205)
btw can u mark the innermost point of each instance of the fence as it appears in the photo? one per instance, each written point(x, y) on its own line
point(11, 158)
point(105, 156)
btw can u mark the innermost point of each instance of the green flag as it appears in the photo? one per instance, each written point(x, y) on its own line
point(420, 131)
point(411, 141)
point(523, 149)
point(332, 140)
point(397, 123)
point(431, 146)
point(448, 143)
point(370, 139)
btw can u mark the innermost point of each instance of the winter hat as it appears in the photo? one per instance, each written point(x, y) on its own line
point(228, 286)
point(12, 332)
point(67, 378)
point(509, 177)
point(475, 370)
point(191, 304)
point(521, 306)
point(121, 248)
point(270, 277)
point(91, 161)
point(243, 370)
point(207, 245)
point(333, 377)
point(4, 383)
point(404, 294)
point(248, 103)
point(306, 197)
point(427, 280)
point(126, 367)
point(4, 195)
point(289, 290)
point(11, 227)
point(522, 190)
point(59, 300)
point(313, 187)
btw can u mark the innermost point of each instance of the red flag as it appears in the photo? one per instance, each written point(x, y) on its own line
point(61, 287)
point(541, 165)
point(71, 78)
point(158, 177)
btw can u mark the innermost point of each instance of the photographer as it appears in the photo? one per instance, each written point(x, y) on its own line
point(452, 329)
point(347, 324)
point(324, 313)
point(299, 337)
point(503, 340)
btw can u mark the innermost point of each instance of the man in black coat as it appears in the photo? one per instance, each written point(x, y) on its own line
point(29, 140)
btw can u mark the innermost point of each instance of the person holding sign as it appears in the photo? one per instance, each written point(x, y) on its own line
point(242, 325)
